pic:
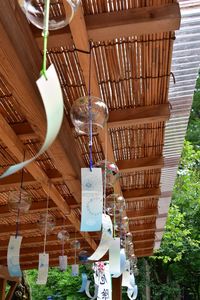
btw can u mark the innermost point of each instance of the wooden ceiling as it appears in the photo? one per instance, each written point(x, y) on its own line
point(132, 50)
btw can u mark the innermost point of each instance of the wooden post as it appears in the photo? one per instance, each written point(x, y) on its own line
point(117, 288)
point(2, 288)
point(148, 290)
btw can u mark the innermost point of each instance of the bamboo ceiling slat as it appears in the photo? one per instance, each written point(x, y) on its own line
point(125, 73)
point(138, 141)
point(101, 6)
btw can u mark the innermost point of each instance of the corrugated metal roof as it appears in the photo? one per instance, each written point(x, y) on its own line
point(185, 66)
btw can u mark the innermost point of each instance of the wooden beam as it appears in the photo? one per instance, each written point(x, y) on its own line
point(4, 274)
point(38, 206)
point(144, 252)
point(35, 208)
point(142, 213)
point(11, 291)
point(29, 227)
point(14, 180)
point(139, 115)
point(37, 241)
point(146, 163)
point(142, 228)
point(140, 194)
point(143, 241)
point(144, 245)
point(29, 253)
point(81, 41)
point(143, 237)
point(124, 23)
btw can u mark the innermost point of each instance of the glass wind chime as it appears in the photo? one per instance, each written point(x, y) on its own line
point(61, 14)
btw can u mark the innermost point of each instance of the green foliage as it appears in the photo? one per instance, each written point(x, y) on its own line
point(60, 285)
point(194, 124)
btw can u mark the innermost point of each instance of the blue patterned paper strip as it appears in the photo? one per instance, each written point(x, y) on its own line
point(92, 199)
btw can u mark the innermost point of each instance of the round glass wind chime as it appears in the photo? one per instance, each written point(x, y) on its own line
point(19, 201)
point(61, 14)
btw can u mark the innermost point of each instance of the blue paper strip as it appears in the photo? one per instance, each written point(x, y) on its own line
point(84, 283)
point(13, 256)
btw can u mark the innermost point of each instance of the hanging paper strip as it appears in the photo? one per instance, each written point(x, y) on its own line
point(43, 268)
point(132, 293)
point(87, 290)
point(104, 291)
point(122, 263)
point(84, 283)
point(126, 275)
point(106, 238)
point(132, 279)
point(51, 94)
point(13, 256)
point(114, 256)
point(63, 262)
point(92, 199)
point(75, 270)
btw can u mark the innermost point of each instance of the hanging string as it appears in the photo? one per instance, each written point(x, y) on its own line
point(75, 248)
point(45, 37)
point(105, 169)
point(46, 219)
point(114, 222)
point(63, 242)
point(20, 198)
point(90, 109)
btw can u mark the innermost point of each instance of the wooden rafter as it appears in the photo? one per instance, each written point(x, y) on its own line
point(141, 194)
point(28, 252)
point(109, 26)
point(138, 116)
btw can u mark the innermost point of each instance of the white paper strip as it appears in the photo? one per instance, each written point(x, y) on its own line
point(13, 256)
point(92, 199)
point(51, 94)
point(122, 263)
point(132, 280)
point(126, 275)
point(43, 268)
point(75, 270)
point(63, 263)
point(132, 293)
point(114, 256)
point(87, 290)
point(106, 238)
point(104, 291)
